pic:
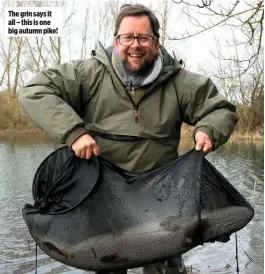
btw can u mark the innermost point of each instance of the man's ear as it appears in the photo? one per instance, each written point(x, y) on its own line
point(157, 45)
point(115, 43)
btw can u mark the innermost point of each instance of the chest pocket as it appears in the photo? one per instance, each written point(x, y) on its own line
point(161, 110)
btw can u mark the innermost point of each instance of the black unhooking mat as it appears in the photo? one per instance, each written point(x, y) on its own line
point(93, 215)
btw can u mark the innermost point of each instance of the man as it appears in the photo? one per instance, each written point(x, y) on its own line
point(128, 103)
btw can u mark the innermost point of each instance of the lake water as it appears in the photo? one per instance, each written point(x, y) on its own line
point(241, 163)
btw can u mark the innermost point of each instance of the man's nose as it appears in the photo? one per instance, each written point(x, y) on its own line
point(135, 43)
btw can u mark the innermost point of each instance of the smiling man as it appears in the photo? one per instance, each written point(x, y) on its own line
point(136, 44)
point(128, 103)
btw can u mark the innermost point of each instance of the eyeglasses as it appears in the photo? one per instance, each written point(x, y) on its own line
point(128, 40)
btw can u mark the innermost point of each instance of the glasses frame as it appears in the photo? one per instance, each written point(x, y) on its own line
point(137, 38)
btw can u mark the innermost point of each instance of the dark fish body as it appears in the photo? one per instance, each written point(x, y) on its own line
point(95, 216)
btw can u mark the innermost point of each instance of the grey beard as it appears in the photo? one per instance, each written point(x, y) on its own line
point(143, 68)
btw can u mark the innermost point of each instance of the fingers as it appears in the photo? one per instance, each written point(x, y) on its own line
point(207, 148)
point(88, 154)
point(96, 150)
point(85, 146)
point(199, 143)
point(203, 142)
point(82, 153)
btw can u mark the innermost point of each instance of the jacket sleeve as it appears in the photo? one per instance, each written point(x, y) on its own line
point(53, 100)
point(202, 106)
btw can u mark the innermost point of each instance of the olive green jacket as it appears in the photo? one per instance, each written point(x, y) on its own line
point(88, 96)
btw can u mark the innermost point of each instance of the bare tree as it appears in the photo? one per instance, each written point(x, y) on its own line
point(114, 7)
point(245, 90)
point(54, 48)
point(85, 33)
point(19, 46)
point(102, 25)
point(246, 16)
point(7, 62)
point(164, 21)
point(37, 58)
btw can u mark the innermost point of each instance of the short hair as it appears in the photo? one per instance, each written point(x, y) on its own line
point(137, 10)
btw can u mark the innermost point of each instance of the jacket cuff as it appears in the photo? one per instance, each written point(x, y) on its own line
point(74, 135)
point(207, 131)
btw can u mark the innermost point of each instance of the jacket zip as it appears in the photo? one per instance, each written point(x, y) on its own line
point(136, 107)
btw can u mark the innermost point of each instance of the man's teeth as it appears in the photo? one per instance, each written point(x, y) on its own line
point(135, 55)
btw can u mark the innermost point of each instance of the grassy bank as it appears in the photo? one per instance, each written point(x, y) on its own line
point(13, 124)
point(11, 120)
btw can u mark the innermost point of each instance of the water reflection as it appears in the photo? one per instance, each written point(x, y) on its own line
point(240, 162)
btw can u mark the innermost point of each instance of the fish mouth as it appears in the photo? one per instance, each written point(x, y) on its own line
point(53, 248)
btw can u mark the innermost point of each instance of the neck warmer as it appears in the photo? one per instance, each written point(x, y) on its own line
point(137, 79)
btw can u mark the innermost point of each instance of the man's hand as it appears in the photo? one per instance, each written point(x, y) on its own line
point(84, 146)
point(203, 142)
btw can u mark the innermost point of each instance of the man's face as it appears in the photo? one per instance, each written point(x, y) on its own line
point(135, 57)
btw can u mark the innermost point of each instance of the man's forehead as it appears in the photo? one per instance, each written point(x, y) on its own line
point(130, 24)
point(138, 33)
point(143, 19)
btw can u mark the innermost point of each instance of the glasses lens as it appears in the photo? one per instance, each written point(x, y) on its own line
point(126, 40)
point(145, 40)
